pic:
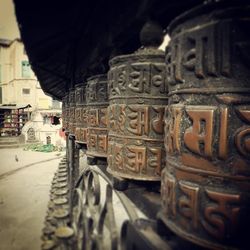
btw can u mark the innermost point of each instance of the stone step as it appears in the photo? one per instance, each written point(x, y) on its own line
point(12, 145)
point(9, 142)
point(6, 138)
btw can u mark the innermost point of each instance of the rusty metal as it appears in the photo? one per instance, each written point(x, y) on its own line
point(206, 183)
point(97, 102)
point(137, 98)
point(71, 115)
point(99, 212)
point(81, 114)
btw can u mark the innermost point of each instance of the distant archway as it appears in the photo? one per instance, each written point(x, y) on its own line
point(48, 140)
point(31, 134)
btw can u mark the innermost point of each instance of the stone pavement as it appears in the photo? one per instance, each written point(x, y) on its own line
point(8, 158)
point(24, 195)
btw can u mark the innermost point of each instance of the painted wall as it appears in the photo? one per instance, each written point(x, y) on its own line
point(18, 81)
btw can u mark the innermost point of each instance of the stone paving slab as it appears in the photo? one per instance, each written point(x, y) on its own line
point(8, 158)
point(24, 196)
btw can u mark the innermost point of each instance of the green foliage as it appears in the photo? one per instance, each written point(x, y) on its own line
point(41, 148)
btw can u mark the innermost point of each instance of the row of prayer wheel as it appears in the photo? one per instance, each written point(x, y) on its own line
point(195, 100)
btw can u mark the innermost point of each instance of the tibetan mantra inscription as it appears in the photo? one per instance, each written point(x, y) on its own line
point(97, 103)
point(206, 182)
point(137, 98)
point(72, 106)
point(81, 114)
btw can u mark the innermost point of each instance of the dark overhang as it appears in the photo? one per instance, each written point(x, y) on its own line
point(68, 41)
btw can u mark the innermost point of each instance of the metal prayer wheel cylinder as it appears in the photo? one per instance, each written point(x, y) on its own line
point(97, 103)
point(81, 114)
point(65, 112)
point(137, 99)
point(206, 182)
point(72, 106)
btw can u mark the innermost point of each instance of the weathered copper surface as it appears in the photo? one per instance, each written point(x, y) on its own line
point(137, 97)
point(65, 112)
point(97, 102)
point(206, 182)
point(81, 114)
point(72, 106)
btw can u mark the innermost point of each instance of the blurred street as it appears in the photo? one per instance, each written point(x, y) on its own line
point(24, 194)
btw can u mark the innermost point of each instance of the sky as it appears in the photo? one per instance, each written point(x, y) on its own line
point(8, 24)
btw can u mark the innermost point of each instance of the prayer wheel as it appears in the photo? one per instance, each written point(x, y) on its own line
point(64, 112)
point(137, 99)
point(72, 106)
point(206, 182)
point(97, 103)
point(81, 114)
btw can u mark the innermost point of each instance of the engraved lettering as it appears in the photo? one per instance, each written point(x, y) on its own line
point(170, 194)
point(121, 78)
point(102, 143)
point(189, 59)
point(102, 92)
point(92, 140)
point(118, 156)
point(112, 120)
point(194, 58)
point(173, 60)
point(84, 115)
point(188, 203)
point(93, 117)
point(136, 159)
point(139, 78)
point(242, 137)
point(78, 115)
point(91, 93)
point(138, 124)
point(223, 141)
point(215, 39)
point(72, 113)
point(173, 131)
point(84, 134)
point(121, 118)
point(157, 123)
point(155, 160)
point(103, 116)
point(221, 216)
point(158, 77)
point(198, 138)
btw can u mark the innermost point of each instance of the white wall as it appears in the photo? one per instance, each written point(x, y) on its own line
point(13, 82)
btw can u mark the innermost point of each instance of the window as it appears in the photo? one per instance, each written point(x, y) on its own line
point(55, 120)
point(26, 71)
point(26, 91)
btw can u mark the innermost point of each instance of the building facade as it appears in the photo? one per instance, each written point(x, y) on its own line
point(18, 83)
point(20, 87)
